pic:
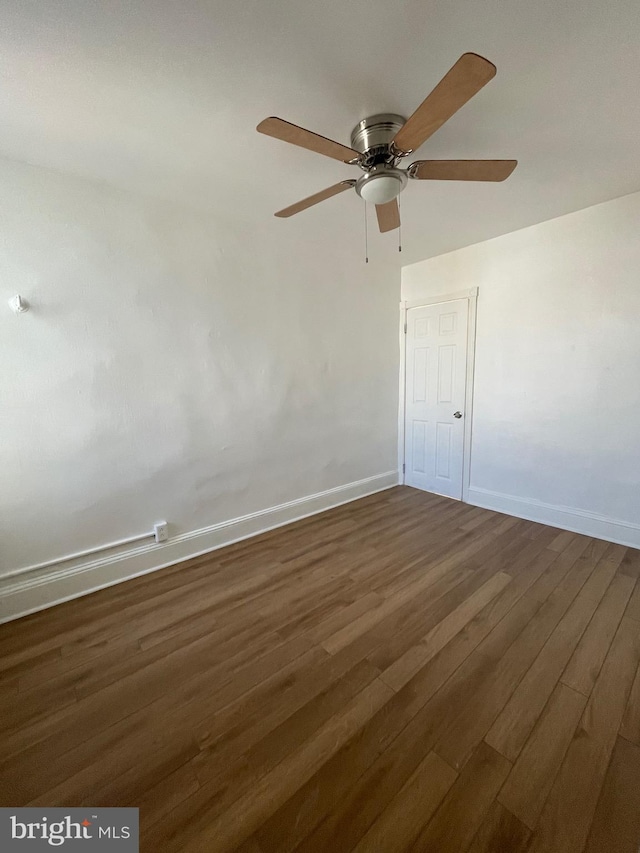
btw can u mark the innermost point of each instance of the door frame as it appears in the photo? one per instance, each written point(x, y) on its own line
point(471, 296)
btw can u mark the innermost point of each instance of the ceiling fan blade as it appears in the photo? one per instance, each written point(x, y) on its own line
point(315, 199)
point(388, 215)
point(280, 129)
point(462, 170)
point(470, 73)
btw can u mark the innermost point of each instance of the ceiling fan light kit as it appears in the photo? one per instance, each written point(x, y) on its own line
point(381, 185)
point(380, 142)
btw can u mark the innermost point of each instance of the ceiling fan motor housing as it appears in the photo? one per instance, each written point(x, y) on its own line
point(372, 137)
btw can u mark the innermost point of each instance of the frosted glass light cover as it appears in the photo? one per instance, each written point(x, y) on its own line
point(380, 189)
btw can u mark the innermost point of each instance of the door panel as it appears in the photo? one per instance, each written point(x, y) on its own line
point(435, 389)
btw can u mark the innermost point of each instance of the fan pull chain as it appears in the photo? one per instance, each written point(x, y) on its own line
point(399, 227)
point(366, 236)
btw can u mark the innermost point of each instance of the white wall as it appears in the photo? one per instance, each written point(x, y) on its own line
point(179, 367)
point(556, 429)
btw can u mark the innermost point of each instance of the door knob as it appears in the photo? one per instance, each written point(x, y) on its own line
point(457, 414)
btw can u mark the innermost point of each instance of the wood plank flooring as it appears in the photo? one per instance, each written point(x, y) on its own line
point(402, 673)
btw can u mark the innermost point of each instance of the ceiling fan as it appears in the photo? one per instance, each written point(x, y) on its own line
point(379, 142)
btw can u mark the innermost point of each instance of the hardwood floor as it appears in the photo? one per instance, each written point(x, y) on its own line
point(400, 673)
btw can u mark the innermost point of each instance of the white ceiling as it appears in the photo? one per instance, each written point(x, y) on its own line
point(162, 97)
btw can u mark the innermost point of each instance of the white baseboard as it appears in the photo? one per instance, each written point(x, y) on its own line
point(49, 586)
point(564, 517)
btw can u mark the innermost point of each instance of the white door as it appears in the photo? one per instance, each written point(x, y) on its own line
point(436, 365)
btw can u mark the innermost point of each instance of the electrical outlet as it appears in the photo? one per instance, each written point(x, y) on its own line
point(161, 531)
